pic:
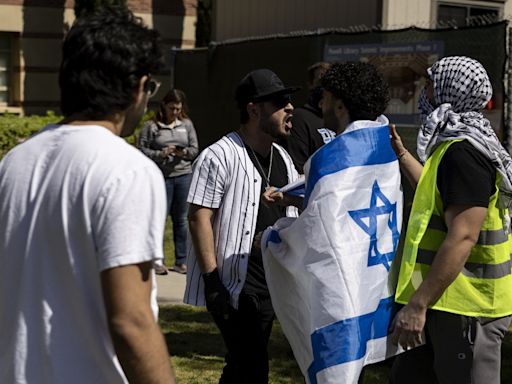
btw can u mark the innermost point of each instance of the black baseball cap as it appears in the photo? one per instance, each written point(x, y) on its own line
point(261, 85)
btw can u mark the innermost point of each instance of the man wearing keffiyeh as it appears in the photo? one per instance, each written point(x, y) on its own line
point(455, 277)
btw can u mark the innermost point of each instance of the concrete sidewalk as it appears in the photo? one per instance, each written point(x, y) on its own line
point(170, 288)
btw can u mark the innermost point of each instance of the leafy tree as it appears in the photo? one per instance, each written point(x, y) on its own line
point(86, 7)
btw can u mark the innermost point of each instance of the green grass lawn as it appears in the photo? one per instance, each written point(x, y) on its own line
point(168, 244)
point(198, 351)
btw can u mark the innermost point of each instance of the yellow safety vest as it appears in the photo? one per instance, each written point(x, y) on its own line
point(484, 286)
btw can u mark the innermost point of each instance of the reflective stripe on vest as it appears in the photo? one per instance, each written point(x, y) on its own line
point(484, 286)
point(476, 270)
point(486, 237)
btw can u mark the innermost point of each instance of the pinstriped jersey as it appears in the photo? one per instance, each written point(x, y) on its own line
point(226, 180)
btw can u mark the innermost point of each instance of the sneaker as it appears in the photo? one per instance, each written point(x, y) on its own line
point(180, 268)
point(160, 269)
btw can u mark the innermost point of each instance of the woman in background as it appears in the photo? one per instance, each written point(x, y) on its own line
point(170, 140)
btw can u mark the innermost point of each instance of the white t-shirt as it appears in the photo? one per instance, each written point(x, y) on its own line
point(74, 201)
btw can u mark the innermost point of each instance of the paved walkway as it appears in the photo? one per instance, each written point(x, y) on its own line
point(170, 288)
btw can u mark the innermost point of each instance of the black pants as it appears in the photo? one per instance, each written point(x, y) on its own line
point(246, 333)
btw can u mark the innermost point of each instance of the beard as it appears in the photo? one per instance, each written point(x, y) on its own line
point(272, 127)
point(331, 121)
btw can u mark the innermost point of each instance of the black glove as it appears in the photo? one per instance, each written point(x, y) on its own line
point(216, 295)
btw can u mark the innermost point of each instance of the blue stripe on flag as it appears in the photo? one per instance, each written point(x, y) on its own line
point(273, 237)
point(346, 340)
point(298, 191)
point(366, 146)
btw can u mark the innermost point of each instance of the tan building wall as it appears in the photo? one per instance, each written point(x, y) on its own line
point(248, 18)
point(405, 13)
point(507, 10)
point(423, 13)
point(245, 18)
point(35, 28)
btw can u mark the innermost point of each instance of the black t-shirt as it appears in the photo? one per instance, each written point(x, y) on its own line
point(465, 176)
point(267, 216)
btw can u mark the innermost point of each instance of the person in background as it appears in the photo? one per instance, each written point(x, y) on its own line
point(309, 132)
point(170, 140)
point(82, 219)
point(455, 277)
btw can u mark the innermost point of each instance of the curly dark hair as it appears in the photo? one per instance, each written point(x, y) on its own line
point(360, 87)
point(104, 57)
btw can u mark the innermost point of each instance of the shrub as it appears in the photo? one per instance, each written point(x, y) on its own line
point(15, 129)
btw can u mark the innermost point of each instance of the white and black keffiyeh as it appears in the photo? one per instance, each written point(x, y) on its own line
point(461, 90)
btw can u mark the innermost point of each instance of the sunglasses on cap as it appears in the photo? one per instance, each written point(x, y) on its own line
point(151, 86)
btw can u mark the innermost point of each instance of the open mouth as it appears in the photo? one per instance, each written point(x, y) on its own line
point(288, 122)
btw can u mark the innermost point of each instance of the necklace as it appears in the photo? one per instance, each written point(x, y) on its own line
point(258, 164)
point(267, 176)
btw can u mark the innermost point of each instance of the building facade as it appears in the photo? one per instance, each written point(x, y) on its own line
point(31, 32)
point(234, 19)
point(287, 36)
point(442, 13)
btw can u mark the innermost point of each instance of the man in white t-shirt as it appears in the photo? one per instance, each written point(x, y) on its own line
point(82, 217)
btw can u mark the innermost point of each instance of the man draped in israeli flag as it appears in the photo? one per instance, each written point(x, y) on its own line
point(328, 270)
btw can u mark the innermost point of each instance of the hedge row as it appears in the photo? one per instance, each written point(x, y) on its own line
point(15, 129)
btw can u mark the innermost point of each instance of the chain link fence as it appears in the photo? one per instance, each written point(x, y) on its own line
point(209, 75)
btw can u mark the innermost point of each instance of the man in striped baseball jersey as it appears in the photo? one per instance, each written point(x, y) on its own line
point(226, 220)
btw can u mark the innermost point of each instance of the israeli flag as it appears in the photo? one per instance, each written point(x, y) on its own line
point(296, 188)
point(328, 271)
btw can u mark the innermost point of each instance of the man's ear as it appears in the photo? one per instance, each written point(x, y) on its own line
point(320, 103)
point(253, 111)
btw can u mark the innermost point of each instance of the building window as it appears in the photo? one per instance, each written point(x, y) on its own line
point(457, 14)
point(5, 69)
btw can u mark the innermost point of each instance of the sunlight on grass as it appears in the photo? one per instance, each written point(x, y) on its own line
point(198, 351)
point(168, 244)
point(198, 369)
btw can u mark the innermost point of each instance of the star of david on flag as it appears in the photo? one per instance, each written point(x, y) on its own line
point(328, 270)
point(367, 219)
